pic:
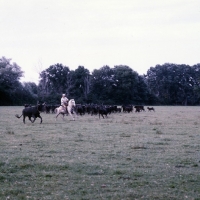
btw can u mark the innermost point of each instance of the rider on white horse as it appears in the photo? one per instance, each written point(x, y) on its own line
point(69, 108)
point(64, 101)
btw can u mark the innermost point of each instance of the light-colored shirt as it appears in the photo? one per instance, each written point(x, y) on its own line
point(64, 101)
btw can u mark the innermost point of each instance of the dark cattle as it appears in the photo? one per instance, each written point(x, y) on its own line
point(113, 108)
point(94, 109)
point(80, 109)
point(103, 111)
point(139, 108)
point(119, 109)
point(53, 107)
point(88, 108)
point(27, 105)
point(47, 108)
point(29, 112)
point(150, 109)
point(42, 106)
point(128, 108)
point(109, 109)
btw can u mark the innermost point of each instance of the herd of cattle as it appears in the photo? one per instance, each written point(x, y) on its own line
point(92, 109)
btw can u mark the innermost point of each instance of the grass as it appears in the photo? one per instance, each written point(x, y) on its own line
point(147, 155)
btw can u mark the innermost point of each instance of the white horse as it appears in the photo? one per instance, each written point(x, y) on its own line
point(70, 109)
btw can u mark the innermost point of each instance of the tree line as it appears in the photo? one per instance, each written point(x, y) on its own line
point(167, 84)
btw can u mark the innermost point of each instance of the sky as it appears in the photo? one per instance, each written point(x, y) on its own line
point(36, 34)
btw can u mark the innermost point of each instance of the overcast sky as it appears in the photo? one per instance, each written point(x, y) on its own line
point(92, 33)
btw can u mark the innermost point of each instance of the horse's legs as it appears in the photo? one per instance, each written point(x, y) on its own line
point(69, 111)
point(75, 114)
point(63, 114)
point(57, 115)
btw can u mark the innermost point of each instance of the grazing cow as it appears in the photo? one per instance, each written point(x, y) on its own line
point(151, 108)
point(33, 111)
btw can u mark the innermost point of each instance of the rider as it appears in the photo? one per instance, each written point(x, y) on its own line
point(64, 101)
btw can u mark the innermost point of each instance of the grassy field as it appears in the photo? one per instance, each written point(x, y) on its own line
point(147, 155)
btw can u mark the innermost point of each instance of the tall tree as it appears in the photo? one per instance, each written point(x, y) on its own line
point(54, 81)
point(32, 89)
point(81, 84)
point(118, 85)
point(10, 74)
point(196, 88)
point(102, 85)
point(171, 83)
point(126, 83)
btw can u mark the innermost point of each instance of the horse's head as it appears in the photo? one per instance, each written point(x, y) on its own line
point(72, 102)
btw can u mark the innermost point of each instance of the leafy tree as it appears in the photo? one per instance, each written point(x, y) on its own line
point(171, 83)
point(32, 89)
point(102, 85)
point(81, 84)
point(54, 81)
point(143, 96)
point(186, 84)
point(118, 85)
point(196, 88)
point(125, 82)
point(10, 74)
point(165, 84)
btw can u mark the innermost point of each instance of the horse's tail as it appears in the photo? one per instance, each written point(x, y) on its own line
point(18, 116)
point(56, 110)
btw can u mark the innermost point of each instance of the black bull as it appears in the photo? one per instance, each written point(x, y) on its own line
point(29, 112)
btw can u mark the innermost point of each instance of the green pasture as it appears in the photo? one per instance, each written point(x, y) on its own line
point(146, 155)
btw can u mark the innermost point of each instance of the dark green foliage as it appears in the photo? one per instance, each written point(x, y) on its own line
point(174, 84)
point(12, 92)
point(54, 80)
point(81, 84)
point(107, 85)
point(118, 85)
point(167, 84)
